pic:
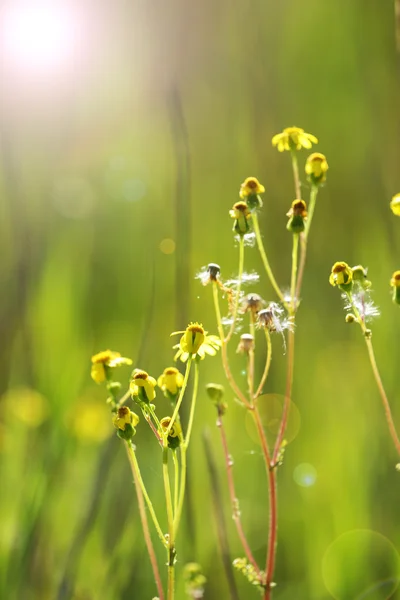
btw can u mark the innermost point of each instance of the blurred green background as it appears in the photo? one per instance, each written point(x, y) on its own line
point(119, 164)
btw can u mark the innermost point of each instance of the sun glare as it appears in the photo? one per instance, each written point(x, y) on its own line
point(38, 35)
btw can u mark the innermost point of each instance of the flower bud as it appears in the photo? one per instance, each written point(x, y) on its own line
point(175, 433)
point(395, 205)
point(297, 215)
point(171, 381)
point(142, 387)
point(241, 213)
point(360, 276)
point(125, 421)
point(246, 343)
point(216, 393)
point(316, 168)
point(342, 276)
point(350, 318)
point(250, 190)
point(395, 283)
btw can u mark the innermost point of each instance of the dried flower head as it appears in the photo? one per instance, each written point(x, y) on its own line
point(275, 319)
point(246, 343)
point(195, 342)
point(293, 138)
point(104, 361)
point(213, 271)
point(252, 303)
point(316, 168)
point(395, 205)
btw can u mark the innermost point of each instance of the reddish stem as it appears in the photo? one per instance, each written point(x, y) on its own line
point(232, 494)
point(288, 394)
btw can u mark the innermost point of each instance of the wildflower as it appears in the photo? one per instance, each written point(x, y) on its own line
point(297, 215)
point(241, 213)
point(246, 343)
point(342, 276)
point(316, 168)
point(293, 138)
point(395, 283)
point(395, 205)
point(142, 386)
point(195, 342)
point(252, 303)
point(103, 361)
point(175, 432)
point(125, 422)
point(360, 276)
point(170, 381)
point(250, 187)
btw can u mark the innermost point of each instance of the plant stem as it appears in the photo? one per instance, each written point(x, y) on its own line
point(250, 370)
point(377, 376)
point(304, 238)
point(235, 388)
point(237, 296)
point(264, 258)
point(180, 398)
point(171, 529)
point(138, 477)
point(293, 299)
point(296, 176)
point(143, 518)
point(193, 405)
point(232, 494)
point(176, 480)
point(267, 364)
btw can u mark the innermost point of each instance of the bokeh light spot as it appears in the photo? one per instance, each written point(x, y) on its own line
point(167, 246)
point(305, 475)
point(271, 408)
point(361, 565)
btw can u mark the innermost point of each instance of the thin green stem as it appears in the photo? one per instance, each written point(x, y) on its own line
point(138, 476)
point(296, 175)
point(171, 529)
point(295, 249)
point(176, 480)
point(250, 370)
point(264, 258)
point(143, 518)
point(304, 238)
point(225, 362)
point(180, 398)
point(238, 287)
point(193, 405)
point(267, 364)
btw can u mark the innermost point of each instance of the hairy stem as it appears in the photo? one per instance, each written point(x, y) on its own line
point(143, 518)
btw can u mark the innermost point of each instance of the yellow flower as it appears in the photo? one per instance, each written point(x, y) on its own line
point(170, 381)
point(125, 417)
point(196, 342)
point(142, 385)
point(316, 168)
point(176, 429)
point(241, 213)
point(251, 187)
point(395, 281)
point(395, 205)
point(104, 360)
point(341, 275)
point(293, 138)
point(297, 214)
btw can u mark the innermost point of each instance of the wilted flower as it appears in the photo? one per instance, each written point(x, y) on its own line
point(246, 343)
point(105, 360)
point(241, 213)
point(274, 318)
point(170, 381)
point(395, 205)
point(341, 275)
point(316, 168)
point(297, 215)
point(196, 342)
point(142, 386)
point(293, 138)
point(252, 303)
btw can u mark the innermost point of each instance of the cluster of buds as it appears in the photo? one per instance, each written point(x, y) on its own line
point(249, 571)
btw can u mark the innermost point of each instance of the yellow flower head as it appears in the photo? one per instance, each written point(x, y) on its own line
point(341, 275)
point(395, 283)
point(196, 342)
point(293, 138)
point(125, 417)
point(176, 429)
point(241, 213)
point(104, 360)
point(297, 214)
point(170, 381)
point(142, 386)
point(316, 168)
point(251, 187)
point(395, 205)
